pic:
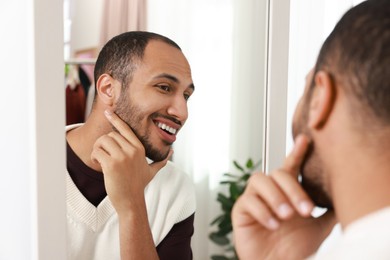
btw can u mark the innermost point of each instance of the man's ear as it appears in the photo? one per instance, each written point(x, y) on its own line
point(107, 88)
point(322, 100)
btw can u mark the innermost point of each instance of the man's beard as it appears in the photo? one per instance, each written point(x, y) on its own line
point(313, 179)
point(132, 116)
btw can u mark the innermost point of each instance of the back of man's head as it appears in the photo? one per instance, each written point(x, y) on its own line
point(357, 56)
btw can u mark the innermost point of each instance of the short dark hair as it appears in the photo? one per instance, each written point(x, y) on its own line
point(357, 55)
point(119, 56)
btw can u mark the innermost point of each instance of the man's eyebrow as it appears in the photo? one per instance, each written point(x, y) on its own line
point(168, 76)
point(173, 78)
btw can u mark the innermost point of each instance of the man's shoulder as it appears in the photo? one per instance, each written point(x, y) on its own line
point(172, 181)
point(365, 238)
point(173, 173)
point(173, 191)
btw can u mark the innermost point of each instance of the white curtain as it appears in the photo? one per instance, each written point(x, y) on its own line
point(224, 41)
point(121, 16)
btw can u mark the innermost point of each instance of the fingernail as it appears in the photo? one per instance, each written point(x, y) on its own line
point(108, 113)
point(284, 210)
point(273, 224)
point(305, 207)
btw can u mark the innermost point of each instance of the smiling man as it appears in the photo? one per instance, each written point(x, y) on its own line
point(341, 130)
point(125, 200)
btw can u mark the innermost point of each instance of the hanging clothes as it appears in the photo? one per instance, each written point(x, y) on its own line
point(84, 79)
point(75, 97)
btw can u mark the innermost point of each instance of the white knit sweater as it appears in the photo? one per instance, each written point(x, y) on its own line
point(93, 232)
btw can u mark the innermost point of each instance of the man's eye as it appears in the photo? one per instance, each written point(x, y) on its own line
point(187, 96)
point(164, 87)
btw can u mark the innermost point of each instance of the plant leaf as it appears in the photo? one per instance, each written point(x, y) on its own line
point(219, 257)
point(235, 191)
point(217, 219)
point(238, 166)
point(236, 186)
point(227, 182)
point(249, 164)
point(230, 249)
point(225, 227)
point(245, 177)
point(219, 240)
point(225, 201)
point(231, 175)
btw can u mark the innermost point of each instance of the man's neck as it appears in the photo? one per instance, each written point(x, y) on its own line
point(361, 187)
point(83, 138)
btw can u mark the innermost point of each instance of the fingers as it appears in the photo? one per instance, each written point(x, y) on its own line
point(112, 143)
point(125, 139)
point(98, 155)
point(105, 149)
point(253, 208)
point(293, 161)
point(122, 147)
point(284, 193)
point(294, 195)
point(278, 196)
point(122, 128)
point(268, 192)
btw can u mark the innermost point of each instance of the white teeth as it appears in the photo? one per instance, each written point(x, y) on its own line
point(167, 128)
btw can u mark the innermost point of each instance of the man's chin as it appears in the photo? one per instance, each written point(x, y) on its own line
point(317, 194)
point(157, 155)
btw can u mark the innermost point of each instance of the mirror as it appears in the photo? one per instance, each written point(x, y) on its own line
point(225, 44)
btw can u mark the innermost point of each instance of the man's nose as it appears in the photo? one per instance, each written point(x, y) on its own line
point(178, 108)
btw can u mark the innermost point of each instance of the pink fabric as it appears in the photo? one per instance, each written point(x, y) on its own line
point(88, 68)
point(121, 16)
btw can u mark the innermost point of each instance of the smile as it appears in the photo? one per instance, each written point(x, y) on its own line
point(166, 128)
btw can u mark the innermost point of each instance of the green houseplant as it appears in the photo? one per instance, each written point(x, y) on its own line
point(236, 185)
